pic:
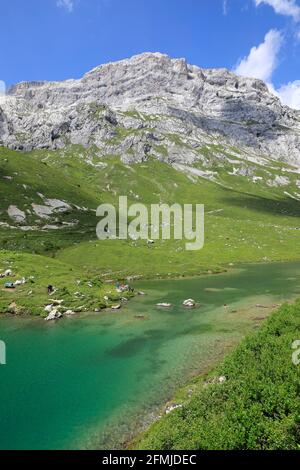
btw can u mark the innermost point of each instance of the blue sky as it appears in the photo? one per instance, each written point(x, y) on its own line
point(59, 39)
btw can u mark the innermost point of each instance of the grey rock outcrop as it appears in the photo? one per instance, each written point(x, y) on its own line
point(151, 105)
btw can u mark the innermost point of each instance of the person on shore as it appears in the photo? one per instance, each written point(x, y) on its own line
point(50, 289)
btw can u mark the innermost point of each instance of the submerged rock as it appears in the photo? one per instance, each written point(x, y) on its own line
point(189, 303)
point(69, 313)
point(54, 315)
point(116, 307)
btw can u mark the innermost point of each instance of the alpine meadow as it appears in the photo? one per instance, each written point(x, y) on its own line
point(141, 332)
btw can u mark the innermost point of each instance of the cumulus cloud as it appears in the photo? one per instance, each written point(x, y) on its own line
point(290, 94)
point(289, 8)
point(67, 4)
point(261, 63)
point(282, 7)
point(225, 7)
point(263, 59)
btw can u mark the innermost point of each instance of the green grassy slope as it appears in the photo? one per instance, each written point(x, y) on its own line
point(244, 221)
point(80, 290)
point(257, 407)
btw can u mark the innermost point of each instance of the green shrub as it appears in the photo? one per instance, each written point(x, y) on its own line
point(257, 407)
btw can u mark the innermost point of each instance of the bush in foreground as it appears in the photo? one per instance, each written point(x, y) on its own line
point(257, 407)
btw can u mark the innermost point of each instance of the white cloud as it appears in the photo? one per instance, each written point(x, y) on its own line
point(2, 87)
point(67, 4)
point(225, 7)
point(261, 63)
point(282, 7)
point(272, 89)
point(263, 59)
point(290, 94)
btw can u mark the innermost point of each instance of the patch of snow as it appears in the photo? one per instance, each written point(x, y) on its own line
point(292, 196)
point(210, 175)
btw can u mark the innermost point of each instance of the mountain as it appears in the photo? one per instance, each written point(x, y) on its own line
point(152, 104)
point(159, 131)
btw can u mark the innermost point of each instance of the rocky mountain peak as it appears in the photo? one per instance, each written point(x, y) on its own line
point(127, 107)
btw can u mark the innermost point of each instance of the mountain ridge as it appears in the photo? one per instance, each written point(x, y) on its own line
point(151, 104)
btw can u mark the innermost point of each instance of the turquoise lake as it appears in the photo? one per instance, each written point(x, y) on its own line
point(93, 381)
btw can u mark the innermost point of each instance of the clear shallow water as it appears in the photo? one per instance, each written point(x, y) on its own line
point(92, 381)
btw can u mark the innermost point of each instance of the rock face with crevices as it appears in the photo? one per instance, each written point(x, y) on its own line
point(151, 105)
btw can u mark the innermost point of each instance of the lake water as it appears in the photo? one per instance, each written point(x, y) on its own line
point(92, 381)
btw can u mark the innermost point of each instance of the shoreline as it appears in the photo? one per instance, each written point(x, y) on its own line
point(229, 269)
point(233, 307)
point(185, 393)
point(182, 392)
point(199, 377)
